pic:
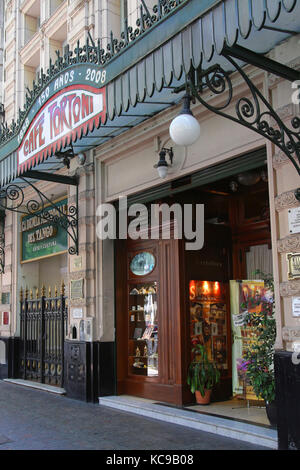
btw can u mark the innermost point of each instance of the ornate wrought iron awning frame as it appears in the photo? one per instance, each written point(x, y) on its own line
point(252, 111)
point(13, 198)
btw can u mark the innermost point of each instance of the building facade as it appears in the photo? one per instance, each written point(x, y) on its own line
point(109, 78)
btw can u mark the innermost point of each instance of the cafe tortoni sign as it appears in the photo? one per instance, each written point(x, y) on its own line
point(61, 119)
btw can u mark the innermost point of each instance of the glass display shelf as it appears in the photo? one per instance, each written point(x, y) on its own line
point(143, 329)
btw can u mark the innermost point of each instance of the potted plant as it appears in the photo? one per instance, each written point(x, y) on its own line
point(202, 375)
point(259, 355)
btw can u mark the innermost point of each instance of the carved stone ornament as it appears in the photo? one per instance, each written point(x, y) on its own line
point(286, 201)
point(290, 288)
point(289, 244)
point(290, 333)
point(279, 159)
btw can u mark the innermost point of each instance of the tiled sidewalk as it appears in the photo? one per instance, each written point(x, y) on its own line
point(38, 420)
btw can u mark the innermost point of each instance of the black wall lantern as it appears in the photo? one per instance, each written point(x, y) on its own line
point(162, 166)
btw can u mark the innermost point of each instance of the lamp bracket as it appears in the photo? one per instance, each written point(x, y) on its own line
point(169, 152)
point(252, 110)
point(12, 198)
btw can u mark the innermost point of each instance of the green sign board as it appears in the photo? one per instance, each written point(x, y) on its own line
point(40, 238)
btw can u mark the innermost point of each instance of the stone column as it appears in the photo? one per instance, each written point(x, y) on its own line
point(286, 181)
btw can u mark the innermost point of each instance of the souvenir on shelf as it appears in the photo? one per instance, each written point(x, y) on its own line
point(151, 290)
point(143, 291)
point(134, 292)
point(143, 329)
point(137, 333)
point(148, 332)
point(138, 364)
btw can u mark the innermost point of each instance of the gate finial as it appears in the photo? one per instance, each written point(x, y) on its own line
point(43, 290)
point(62, 290)
point(49, 292)
point(55, 291)
point(37, 293)
point(21, 295)
point(31, 294)
point(26, 293)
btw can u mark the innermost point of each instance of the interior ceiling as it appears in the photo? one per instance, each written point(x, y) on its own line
point(216, 197)
point(222, 187)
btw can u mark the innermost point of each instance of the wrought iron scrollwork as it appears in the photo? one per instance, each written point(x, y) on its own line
point(91, 52)
point(13, 198)
point(252, 111)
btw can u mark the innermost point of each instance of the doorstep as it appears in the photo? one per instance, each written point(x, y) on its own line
point(37, 385)
point(251, 433)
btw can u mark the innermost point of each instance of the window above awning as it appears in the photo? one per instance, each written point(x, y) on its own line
point(138, 80)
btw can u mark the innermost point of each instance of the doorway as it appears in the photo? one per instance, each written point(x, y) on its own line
point(237, 247)
point(193, 298)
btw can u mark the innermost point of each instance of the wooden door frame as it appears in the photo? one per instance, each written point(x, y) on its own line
point(168, 386)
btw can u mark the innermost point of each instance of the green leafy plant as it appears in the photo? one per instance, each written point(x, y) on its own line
point(259, 356)
point(202, 373)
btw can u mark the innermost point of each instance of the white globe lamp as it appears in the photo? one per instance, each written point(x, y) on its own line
point(185, 129)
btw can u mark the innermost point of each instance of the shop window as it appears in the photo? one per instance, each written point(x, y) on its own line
point(143, 329)
point(208, 320)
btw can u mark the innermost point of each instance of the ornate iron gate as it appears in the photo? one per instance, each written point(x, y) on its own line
point(43, 329)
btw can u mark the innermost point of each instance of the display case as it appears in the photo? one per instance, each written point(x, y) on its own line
point(208, 320)
point(148, 319)
point(143, 329)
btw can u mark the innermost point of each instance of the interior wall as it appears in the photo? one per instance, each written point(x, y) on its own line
point(54, 270)
point(48, 272)
point(259, 258)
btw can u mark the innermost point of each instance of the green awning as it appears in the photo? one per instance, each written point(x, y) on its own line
point(139, 76)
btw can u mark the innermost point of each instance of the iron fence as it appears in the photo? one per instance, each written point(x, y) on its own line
point(42, 332)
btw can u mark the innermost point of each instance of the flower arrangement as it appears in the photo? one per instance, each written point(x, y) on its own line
point(258, 359)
